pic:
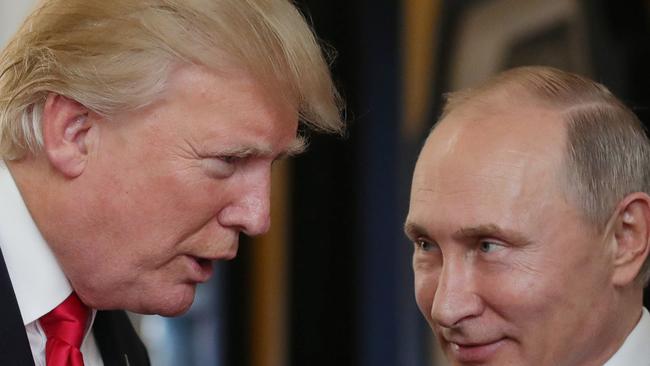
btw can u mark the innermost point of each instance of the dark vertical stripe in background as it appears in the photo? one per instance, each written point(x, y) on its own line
point(325, 229)
point(379, 216)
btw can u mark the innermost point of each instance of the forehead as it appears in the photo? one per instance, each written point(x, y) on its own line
point(489, 164)
point(231, 104)
point(230, 85)
point(488, 135)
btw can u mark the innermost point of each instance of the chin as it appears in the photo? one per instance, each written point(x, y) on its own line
point(168, 304)
point(173, 311)
point(174, 303)
point(162, 309)
point(167, 301)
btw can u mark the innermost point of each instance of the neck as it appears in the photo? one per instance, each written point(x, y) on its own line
point(624, 317)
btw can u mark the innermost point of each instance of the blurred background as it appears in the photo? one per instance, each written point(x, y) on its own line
point(331, 284)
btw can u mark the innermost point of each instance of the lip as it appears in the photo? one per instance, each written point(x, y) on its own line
point(200, 269)
point(201, 264)
point(475, 352)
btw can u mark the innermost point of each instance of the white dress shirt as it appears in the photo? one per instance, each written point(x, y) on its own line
point(635, 351)
point(37, 278)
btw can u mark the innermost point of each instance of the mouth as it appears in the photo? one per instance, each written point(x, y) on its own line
point(201, 269)
point(201, 265)
point(475, 352)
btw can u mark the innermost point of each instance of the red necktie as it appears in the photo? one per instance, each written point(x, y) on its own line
point(64, 327)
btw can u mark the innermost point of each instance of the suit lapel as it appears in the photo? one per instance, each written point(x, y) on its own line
point(14, 345)
point(118, 342)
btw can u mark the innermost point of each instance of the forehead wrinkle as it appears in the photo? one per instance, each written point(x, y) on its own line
point(448, 185)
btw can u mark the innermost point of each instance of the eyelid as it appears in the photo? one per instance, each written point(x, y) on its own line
point(217, 167)
point(498, 243)
point(492, 240)
point(229, 159)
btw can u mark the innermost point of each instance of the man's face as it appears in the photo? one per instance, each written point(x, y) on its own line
point(507, 271)
point(168, 189)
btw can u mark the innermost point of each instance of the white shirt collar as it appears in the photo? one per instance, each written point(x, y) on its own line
point(634, 350)
point(38, 280)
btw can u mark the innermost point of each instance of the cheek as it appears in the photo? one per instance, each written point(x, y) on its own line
point(527, 300)
point(425, 290)
point(515, 288)
point(173, 196)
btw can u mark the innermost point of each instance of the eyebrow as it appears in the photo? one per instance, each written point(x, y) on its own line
point(492, 230)
point(297, 146)
point(413, 230)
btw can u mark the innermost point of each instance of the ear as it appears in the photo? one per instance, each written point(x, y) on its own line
point(65, 124)
point(631, 236)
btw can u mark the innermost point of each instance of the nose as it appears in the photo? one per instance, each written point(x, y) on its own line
point(456, 298)
point(250, 210)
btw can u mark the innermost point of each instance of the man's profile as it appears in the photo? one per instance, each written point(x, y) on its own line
point(137, 139)
point(530, 218)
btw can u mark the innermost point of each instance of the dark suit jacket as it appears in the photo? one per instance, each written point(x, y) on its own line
point(118, 342)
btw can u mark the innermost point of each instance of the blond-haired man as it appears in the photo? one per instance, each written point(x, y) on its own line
point(137, 138)
point(530, 218)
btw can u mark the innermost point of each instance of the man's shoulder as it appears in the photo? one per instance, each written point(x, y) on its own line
point(14, 346)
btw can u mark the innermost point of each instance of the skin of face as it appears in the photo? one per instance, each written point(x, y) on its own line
point(507, 270)
point(167, 189)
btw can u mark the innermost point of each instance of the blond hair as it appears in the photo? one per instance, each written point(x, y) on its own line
point(607, 150)
point(113, 56)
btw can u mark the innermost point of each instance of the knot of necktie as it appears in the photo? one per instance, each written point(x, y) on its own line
point(64, 327)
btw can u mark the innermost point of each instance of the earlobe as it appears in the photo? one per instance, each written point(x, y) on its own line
point(632, 237)
point(65, 125)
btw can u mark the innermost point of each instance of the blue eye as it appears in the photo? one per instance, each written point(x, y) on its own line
point(424, 245)
point(487, 246)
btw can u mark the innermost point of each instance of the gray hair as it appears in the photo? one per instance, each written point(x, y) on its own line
point(607, 150)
